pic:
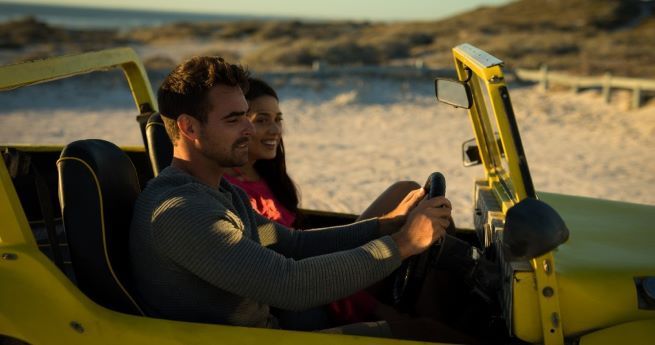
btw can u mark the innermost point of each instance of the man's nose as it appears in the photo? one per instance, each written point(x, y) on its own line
point(249, 128)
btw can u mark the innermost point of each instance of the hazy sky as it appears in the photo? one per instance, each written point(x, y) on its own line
point(342, 9)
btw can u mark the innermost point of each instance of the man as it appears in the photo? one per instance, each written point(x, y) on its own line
point(199, 252)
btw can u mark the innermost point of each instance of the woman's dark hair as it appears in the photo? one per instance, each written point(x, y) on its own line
point(274, 171)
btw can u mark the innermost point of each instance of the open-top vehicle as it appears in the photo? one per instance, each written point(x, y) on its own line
point(537, 267)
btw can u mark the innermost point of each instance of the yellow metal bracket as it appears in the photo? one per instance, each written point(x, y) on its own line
point(548, 293)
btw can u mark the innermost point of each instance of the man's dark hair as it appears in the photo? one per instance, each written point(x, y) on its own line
point(274, 171)
point(185, 89)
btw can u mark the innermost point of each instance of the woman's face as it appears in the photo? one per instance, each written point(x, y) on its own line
point(265, 115)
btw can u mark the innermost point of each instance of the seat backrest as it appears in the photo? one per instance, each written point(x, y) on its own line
point(160, 148)
point(98, 187)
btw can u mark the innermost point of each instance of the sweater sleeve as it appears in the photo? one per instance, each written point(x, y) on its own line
point(312, 242)
point(209, 242)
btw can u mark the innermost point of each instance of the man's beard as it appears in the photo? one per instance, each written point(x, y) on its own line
point(231, 159)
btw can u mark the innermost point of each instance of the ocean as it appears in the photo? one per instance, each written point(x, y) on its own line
point(99, 18)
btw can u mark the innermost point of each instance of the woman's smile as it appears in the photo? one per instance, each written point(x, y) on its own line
point(270, 143)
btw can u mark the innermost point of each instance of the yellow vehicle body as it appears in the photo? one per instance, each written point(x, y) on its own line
point(592, 276)
point(595, 270)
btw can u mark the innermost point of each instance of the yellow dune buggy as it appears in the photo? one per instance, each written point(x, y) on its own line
point(536, 268)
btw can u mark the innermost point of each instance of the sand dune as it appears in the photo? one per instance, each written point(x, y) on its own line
point(348, 138)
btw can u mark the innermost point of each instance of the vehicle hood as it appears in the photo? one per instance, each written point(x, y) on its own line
point(611, 246)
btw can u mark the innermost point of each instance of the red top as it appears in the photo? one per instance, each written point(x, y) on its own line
point(263, 201)
point(355, 308)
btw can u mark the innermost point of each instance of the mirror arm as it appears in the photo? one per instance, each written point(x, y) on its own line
point(469, 74)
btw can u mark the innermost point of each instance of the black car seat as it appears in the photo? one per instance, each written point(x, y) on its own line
point(160, 148)
point(98, 187)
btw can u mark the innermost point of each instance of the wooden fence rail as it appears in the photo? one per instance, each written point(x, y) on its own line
point(606, 83)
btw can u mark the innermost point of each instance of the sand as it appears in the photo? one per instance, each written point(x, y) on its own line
point(349, 138)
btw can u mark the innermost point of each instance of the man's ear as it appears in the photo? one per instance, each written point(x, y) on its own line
point(189, 126)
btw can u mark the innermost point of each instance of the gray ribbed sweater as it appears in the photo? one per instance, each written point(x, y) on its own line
point(201, 254)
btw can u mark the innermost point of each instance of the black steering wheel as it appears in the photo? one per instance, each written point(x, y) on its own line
point(408, 278)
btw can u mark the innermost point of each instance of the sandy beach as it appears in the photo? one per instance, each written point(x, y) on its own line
point(344, 150)
point(348, 138)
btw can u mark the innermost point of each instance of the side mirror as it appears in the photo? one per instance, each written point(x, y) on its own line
point(453, 92)
point(532, 228)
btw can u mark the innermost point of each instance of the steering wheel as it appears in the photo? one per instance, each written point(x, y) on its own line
point(409, 276)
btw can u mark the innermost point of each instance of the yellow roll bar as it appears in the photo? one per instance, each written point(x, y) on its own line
point(509, 177)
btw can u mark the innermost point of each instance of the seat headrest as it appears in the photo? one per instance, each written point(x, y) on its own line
point(160, 148)
point(98, 187)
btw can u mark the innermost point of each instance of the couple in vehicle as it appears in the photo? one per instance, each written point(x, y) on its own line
point(274, 195)
point(203, 250)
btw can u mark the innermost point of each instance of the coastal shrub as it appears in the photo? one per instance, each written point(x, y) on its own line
point(294, 29)
point(283, 53)
point(289, 53)
point(277, 30)
point(346, 51)
point(389, 47)
point(27, 30)
point(168, 32)
point(238, 30)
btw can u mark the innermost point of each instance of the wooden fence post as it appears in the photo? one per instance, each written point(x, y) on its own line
point(544, 78)
point(607, 87)
point(636, 97)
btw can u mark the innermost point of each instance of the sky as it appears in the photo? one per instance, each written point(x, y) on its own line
point(331, 9)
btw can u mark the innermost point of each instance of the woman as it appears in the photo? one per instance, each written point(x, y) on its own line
point(264, 178)
point(274, 195)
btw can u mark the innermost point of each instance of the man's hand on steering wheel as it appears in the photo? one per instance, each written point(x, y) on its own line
point(394, 220)
point(425, 224)
point(407, 204)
